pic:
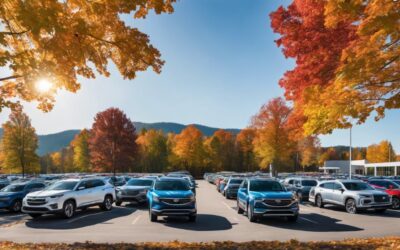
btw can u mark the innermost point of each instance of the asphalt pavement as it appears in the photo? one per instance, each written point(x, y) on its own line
point(217, 220)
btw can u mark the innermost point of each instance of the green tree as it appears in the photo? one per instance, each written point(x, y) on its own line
point(153, 151)
point(81, 154)
point(19, 144)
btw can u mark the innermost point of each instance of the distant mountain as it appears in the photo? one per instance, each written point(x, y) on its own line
point(55, 142)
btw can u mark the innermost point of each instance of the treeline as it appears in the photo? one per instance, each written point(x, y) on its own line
point(112, 144)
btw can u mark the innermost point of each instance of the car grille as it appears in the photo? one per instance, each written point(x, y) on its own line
point(381, 198)
point(277, 202)
point(176, 201)
point(35, 209)
point(132, 192)
point(36, 202)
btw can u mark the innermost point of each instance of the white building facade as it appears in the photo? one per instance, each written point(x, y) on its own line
point(362, 167)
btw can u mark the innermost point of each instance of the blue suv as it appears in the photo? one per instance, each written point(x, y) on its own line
point(11, 196)
point(260, 197)
point(171, 197)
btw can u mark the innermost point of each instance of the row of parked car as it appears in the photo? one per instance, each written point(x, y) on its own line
point(172, 194)
point(259, 195)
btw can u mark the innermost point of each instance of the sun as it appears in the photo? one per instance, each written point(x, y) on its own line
point(43, 85)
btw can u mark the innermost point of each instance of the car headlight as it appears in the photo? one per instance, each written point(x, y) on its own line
point(56, 196)
point(365, 196)
point(156, 199)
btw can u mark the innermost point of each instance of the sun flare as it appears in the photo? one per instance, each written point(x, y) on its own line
point(44, 85)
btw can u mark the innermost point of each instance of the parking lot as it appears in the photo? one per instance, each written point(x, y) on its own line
point(217, 220)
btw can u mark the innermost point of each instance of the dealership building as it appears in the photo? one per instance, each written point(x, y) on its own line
point(362, 167)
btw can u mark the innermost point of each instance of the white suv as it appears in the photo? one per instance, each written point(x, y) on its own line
point(65, 196)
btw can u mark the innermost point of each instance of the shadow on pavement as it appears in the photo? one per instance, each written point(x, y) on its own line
point(311, 223)
point(388, 213)
point(204, 222)
point(81, 219)
point(7, 217)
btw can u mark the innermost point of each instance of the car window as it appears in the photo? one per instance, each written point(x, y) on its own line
point(139, 182)
point(63, 185)
point(356, 186)
point(172, 185)
point(337, 186)
point(97, 183)
point(329, 185)
point(265, 186)
point(13, 188)
point(290, 181)
point(82, 184)
point(309, 183)
point(236, 181)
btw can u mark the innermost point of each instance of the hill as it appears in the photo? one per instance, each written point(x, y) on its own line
point(57, 141)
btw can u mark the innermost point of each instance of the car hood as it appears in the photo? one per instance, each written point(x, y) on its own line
point(271, 195)
point(133, 187)
point(45, 193)
point(367, 192)
point(173, 194)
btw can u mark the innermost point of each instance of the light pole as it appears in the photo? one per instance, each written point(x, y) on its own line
point(350, 155)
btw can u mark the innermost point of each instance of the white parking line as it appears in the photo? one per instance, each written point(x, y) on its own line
point(136, 219)
point(314, 222)
point(81, 217)
point(227, 205)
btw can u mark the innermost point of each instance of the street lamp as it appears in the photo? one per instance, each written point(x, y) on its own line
point(350, 155)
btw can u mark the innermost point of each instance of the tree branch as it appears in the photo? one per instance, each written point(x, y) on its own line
point(10, 77)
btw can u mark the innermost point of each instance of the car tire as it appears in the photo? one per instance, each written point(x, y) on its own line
point(395, 203)
point(250, 214)
point(153, 217)
point(318, 201)
point(382, 210)
point(192, 218)
point(34, 216)
point(292, 218)
point(16, 206)
point(350, 206)
point(239, 209)
point(68, 209)
point(118, 203)
point(107, 203)
point(226, 195)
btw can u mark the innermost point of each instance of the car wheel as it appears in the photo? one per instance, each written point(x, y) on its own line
point(16, 206)
point(192, 218)
point(250, 214)
point(118, 203)
point(292, 218)
point(351, 206)
point(318, 201)
point(382, 210)
point(68, 209)
point(153, 217)
point(395, 203)
point(107, 203)
point(226, 195)
point(34, 216)
point(239, 209)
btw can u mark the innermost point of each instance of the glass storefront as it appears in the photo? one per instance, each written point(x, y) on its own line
point(384, 171)
point(370, 171)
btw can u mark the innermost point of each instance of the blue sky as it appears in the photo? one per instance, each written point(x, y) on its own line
point(221, 65)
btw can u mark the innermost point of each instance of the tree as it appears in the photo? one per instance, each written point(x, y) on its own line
point(272, 143)
point(19, 144)
point(153, 151)
point(61, 40)
point(189, 149)
point(382, 152)
point(81, 154)
point(245, 150)
point(308, 149)
point(347, 60)
point(221, 150)
point(112, 143)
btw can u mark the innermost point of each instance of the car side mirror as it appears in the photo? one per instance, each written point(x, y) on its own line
point(244, 190)
point(341, 190)
point(81, 188)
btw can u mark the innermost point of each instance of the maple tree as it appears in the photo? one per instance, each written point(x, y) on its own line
point(308, 149)
point(112, 142)
point(382, 152)
point(153, 151)
point(245, 150)
point(347, 60)
point(19, 144)
point(61, 40)
point(80, 150)
point(272, 143)
point(221, 150)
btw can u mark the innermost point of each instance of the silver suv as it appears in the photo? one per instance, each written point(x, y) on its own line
point(354, 195)
point(64, 197)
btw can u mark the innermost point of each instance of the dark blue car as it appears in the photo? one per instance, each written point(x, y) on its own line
point(260, 197)
point(11, 196)
point(171, 197)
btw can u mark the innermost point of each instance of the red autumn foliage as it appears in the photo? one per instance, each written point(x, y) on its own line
point(112, 142)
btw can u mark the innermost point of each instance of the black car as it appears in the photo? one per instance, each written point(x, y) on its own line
point(134, 190)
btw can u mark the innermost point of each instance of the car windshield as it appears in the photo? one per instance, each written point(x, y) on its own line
point(63, 185)
point(397, 182)
point(355, 186)
point(236, 181)
point(172, 185)
point(134, 182)
point(309, 183)
point(13, 188)
point(265, 186)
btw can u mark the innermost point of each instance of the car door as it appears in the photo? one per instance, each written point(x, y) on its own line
point(326, 192)
point(98, 193)
point(242, 194)
point(83, 193)
point(337, 193)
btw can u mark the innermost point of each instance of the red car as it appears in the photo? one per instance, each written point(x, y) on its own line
point(390, 187)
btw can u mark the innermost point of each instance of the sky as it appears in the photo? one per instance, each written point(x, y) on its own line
point(221, 65)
